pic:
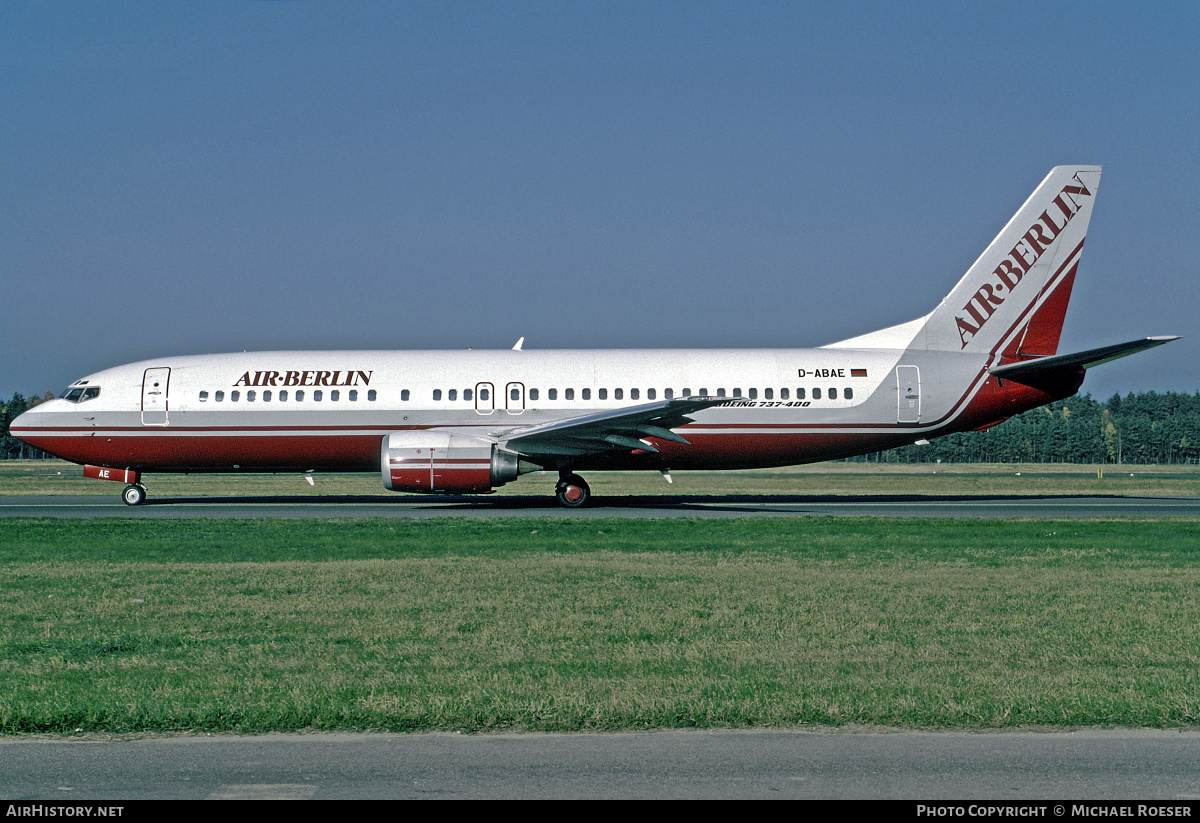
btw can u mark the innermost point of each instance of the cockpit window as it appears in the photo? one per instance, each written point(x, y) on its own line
point(78, 394)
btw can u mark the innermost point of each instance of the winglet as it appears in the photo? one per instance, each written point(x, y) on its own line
point(520, 343)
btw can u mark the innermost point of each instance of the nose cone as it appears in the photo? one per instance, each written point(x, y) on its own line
point(24, 424)
point(43, 428)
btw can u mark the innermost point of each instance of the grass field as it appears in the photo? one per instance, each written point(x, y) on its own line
point(525, 624)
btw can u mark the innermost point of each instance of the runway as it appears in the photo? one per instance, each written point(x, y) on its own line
point(1163, 765)
point(644, 507)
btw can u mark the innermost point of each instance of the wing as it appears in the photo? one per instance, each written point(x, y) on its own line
point(614, 430)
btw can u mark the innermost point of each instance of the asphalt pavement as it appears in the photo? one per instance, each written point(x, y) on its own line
point(1090, 765)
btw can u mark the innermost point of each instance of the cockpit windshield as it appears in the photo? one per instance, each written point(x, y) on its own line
point(78, 394)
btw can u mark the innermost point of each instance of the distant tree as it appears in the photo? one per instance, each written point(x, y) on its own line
point(9, 446)
point(37, 401)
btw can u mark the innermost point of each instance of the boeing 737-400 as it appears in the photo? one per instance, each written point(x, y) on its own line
point(465, 422)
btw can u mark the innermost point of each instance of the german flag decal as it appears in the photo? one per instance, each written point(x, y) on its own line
point(858, 372)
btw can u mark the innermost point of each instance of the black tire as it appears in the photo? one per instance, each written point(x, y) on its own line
point(134, 495)
point(572, 492)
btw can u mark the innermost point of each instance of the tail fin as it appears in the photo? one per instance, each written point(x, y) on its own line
point(1014, 297)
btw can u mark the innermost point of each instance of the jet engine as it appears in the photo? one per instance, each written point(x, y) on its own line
point(446, 463)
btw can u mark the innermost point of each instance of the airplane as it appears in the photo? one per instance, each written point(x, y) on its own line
point(455, 422)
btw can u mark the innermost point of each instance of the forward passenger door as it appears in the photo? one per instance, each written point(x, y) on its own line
point(154, 396)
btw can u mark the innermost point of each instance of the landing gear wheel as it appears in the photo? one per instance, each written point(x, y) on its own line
point(134, 495)
point(572, 491)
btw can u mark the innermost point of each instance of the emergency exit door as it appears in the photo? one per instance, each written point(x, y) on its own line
point(514, 398)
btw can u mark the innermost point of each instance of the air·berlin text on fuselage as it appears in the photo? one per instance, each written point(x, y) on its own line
point(1025, 252)
point(305, 378)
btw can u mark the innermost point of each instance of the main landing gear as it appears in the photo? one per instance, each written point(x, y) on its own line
point(572, 491)
point(134, 495)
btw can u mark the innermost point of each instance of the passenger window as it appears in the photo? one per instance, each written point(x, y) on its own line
point(618, 394)
point(848, 394)
point(335, 394)
point(220, 396)
point(353, 395)
point(737, 392)
point(833, 394)
point(483, 394)
point(267, 396)
point(633, 394)
point(754, 394)
point(799, 394)
point(816, 394)
point(514, 394)
point(768, 394)
point(587, 394)
point(203, 396)
point(250, 396)
point(533, 394)
point(437, 394)
point(318, 395)
point(552, 394)
point(371, 395)
point(783, 394)
point(720, 392)
point(467, 394)
point(668, 393)
point(570, 394)
point(687, 392)
point(452, 394)
point(300, 395)
point(233, 396)
point(651, 394)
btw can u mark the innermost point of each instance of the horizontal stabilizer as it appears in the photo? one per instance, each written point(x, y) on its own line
point(1033, 370)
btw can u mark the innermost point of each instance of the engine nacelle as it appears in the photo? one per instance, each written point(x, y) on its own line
point(442, 462)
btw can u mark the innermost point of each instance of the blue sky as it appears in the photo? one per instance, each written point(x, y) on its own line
point(195, 177)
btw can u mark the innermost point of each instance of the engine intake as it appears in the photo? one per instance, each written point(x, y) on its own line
point(446, 463)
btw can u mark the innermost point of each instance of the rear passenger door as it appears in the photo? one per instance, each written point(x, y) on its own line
point(908, 394)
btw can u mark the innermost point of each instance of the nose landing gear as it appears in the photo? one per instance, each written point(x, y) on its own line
point(572, 491)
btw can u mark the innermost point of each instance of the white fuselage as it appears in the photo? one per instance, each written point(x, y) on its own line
point(323, 410)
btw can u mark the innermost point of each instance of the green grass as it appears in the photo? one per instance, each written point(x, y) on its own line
point(552, 624)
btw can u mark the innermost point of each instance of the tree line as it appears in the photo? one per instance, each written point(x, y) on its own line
point(1150, 427)
point(10, 447)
